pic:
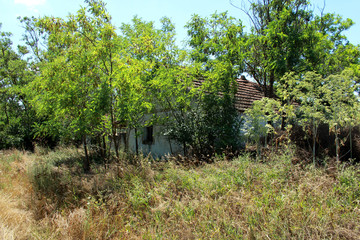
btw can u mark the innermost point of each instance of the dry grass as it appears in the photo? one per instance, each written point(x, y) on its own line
point(239, 199)
point(15, 216)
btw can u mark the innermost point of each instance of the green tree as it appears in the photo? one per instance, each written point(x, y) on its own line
point(307, 91)
point(341, 104)
point(16, 115)
point(330, 52)
point(147, 49)
point(317, 100)
point(74, 89)
point(215, 41)
point(159, 82)
point(286, 36)
point(259, 121)
point(217, 48)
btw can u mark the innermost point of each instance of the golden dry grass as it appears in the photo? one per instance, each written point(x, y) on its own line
point(239, 199)
point(15, 217)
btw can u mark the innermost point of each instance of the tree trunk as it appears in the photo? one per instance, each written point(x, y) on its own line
point(100, 147)
point(351, 149)
point(258, 150)
point(171, 150)
point(337, 145)
point(86, 162)
point(314, 144)
point(184, 148)
point(266, 140)
point(115, 142)
point(136, 142)
point(6, 114)
point(104, 145)
point(127, 140)
point(271, 84)
point(283, 122)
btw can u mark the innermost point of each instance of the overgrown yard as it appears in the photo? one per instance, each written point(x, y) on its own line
point(46, 196)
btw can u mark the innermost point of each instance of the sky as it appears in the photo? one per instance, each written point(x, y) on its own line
point(180, 12)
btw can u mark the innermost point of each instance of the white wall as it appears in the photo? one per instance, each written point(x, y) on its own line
point(161, 146)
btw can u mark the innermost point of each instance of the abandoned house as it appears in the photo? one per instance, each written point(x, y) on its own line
point(152, 140)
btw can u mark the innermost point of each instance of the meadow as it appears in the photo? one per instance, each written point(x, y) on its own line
point(46, 195)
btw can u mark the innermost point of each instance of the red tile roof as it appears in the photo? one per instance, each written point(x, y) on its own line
point(247, 93)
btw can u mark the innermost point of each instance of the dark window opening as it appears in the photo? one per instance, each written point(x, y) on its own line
point(148, 135)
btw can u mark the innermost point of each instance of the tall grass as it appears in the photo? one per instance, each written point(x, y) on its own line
point(16, 219)
point(238, 199)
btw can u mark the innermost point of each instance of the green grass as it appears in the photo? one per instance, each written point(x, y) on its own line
point(238, 199)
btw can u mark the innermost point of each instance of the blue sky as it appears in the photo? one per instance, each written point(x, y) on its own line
point(179, 12)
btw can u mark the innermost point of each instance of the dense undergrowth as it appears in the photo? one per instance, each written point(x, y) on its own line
point(47, 196)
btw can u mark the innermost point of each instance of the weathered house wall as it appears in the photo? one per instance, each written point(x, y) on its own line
point(159, 145)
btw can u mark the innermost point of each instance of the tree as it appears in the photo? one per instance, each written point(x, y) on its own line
point(153, 76)
point(307, 91)
point(177, 97)
point(259, 120)
point(16, 115)
point(277, 40)
point(318, 100)
point(331, 52)
point(112, 80)
point(342, 104)
point(74, 89)
point(217, 40)
point(286, 36)
point(217, 48)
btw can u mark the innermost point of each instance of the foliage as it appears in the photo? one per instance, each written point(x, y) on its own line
point(319, 100)
point(111, 80)
point(213, 123)
point(287, 36)
point(216, 46)
point(260, 120)
point(86, 79)
point(204, 130)
point(332, 52)
point(155, 77)
point(217, 40)
point(74, 89)
point(16, 114)
point(308, 93)
point(342, 106)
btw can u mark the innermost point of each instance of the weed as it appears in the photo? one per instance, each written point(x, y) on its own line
point(237, 199)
